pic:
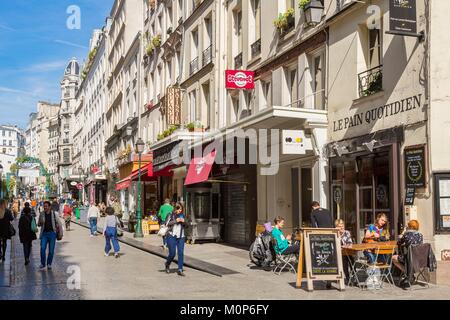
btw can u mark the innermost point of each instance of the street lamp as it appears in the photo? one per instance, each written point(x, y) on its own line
point(1, 181)
point(80, 171)
point(140, 145)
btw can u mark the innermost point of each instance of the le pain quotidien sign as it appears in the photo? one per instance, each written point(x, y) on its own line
point(378, 113)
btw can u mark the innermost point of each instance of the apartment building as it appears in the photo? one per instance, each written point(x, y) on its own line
point(30, 136)
point(53, 152)
point(12, 143)
point(45, 112)
point(124, 58)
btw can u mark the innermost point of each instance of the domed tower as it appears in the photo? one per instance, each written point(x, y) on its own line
point(69, 88)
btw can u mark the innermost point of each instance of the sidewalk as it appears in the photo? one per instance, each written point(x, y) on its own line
point(214, 258)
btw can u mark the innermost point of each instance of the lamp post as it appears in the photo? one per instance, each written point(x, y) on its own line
point(1, 181)
point(80, 171)
point(140, 145)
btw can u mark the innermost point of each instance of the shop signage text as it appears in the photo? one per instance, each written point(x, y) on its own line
point(415, 167)
point(403, 16)
point(240, 79)
point(375, 114)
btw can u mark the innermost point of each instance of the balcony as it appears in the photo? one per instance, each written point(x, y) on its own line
point(370, 81)
point(193, 66)
point(207, 56)
point(238, 61)
point(256, 48)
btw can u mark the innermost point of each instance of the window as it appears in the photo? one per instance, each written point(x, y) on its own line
point(442, 202)
point(207, 103)
point(66, 155)
point(192, 105)
point(374, 48)
point(257, 17)
point(292, 84)
point(318, 81)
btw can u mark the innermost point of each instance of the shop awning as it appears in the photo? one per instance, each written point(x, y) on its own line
point(200, 168)
point(134, 176)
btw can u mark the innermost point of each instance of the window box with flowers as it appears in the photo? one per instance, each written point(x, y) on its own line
point(285, 21)
point(156, 41)
point(195, 127)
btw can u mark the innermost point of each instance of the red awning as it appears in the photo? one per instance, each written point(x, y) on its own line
point(200, 168)
point(123, 184)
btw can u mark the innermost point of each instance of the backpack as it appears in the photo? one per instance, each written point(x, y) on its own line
point(261, 251)
point(34, 227)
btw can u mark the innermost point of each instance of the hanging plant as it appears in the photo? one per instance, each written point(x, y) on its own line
point(149, 49)
point(302, 4)
point(156, 41)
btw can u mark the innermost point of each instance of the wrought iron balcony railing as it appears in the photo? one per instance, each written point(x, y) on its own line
point(256, 48)
point(207, 56)
point(370, 81)
point(238, 61)
point(193, 67)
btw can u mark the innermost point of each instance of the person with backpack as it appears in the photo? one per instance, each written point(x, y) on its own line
point(110, 232)
point(50, 227)
point(176, 238)
point(27, 232)
point(67, 215)
point(5, 228)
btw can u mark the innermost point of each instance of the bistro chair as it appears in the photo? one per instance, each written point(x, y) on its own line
point(283, 261)
point(384, 269)
point(417, 255)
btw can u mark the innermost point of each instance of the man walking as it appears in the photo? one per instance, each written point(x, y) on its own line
point(320, 217)
point(93, 214)
point(49, 223)
point(165, 210)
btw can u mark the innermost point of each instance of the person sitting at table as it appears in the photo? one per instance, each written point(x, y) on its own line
point(376, 232)
point(412, 236)
point(346, 240)
point(282, 243)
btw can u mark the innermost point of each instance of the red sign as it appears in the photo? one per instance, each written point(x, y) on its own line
point(80, 186)
point(200, 169)
point(240, 79)
point(95, 170)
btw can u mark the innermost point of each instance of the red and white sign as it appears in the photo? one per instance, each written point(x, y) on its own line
point(80, 186)
point(240, 79)
point(200, 169)
point(95, 170)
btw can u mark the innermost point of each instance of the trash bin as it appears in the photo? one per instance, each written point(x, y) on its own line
point(131, 222)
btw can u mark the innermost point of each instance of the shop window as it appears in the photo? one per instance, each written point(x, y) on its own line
point(442, 202)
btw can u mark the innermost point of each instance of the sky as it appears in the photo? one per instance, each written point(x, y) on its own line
point(36, 44)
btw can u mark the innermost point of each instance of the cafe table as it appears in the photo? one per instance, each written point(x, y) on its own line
point(353, 250)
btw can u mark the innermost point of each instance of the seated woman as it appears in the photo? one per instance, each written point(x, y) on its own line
point(412, 236)
point(282, 246)
point(376, 232)
point(346, 240)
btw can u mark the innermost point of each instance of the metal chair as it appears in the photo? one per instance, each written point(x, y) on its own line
point(384, 269)
point(283, 261)
point(410, 254)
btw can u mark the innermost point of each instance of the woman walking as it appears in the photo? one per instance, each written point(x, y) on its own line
point(26, 233)
point(110, 232)
point(176, 238)
point(5, 227)
point(67, 215)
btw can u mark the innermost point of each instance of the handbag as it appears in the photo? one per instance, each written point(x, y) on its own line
point(163, 229)
point(12, 231)
point(34, 227)
point(59, 229)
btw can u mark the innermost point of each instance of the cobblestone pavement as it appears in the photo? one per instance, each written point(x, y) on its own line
point(139, 275)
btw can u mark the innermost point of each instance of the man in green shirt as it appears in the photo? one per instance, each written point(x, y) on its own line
point(165, 210)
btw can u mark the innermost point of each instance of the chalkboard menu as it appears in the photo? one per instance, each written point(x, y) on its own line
point(324, 254)
point(415, 167)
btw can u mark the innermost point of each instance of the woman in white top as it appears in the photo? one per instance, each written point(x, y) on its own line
point(110, 232)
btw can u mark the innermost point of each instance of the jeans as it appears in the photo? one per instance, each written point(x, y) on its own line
point(175, 244)
point(27, 249)
point(295, 248)
point(111, 236)
point(93, 224)
point(372, 256)
point(48, 238)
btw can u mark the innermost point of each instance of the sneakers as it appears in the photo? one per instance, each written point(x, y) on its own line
point(116, 255)
point(92, 235)
point(49, 267)
point(106, 254)
point(181, 273)
point(42, 267)
point(167, 269)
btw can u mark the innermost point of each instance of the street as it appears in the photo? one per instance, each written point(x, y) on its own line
point(139, 275)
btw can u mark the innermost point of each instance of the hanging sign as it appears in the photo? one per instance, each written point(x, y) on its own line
point(240, 79)
point(415, 167)
point(403, 17)
point(410, 196)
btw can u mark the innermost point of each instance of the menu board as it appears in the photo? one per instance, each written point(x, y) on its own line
point(410, 196)
point(415, 167)
point(323, 254)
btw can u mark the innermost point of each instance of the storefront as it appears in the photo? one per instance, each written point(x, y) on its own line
point(365, 180)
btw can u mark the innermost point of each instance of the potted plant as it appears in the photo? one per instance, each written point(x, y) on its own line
point(285, 20)
point(190, 127)
point(156, 41)
point(149, 49)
